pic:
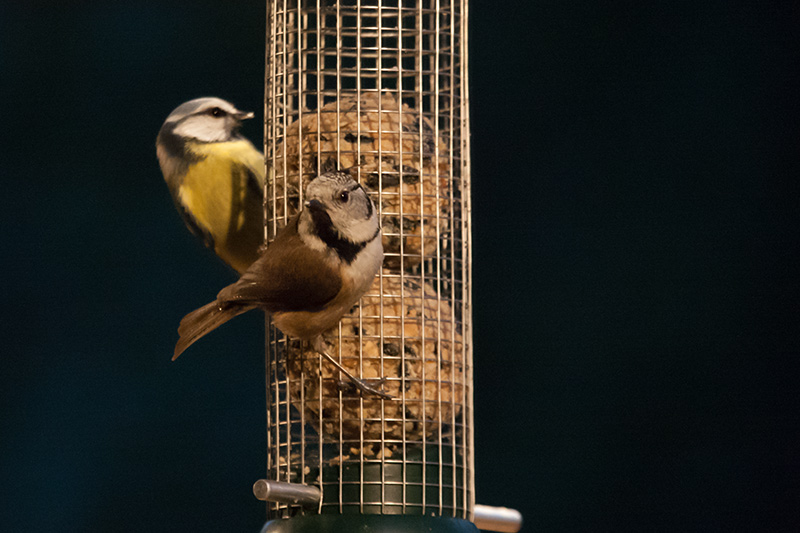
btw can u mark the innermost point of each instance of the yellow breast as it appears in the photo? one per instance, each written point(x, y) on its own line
point(216, 192)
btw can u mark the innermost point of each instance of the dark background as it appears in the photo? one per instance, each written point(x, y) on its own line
point(635, 276)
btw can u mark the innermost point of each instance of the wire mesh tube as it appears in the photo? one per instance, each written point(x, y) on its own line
point(380, 88)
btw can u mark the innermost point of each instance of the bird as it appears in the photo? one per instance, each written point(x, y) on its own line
point(216, 177)
point(317, 267)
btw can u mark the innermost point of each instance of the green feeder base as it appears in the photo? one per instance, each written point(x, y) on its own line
point(331, 523)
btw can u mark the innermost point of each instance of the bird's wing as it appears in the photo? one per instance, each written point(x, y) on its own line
point(248, 198)
point(288, 276)
point(245, 232)
point(255, 182)
point(253, 161)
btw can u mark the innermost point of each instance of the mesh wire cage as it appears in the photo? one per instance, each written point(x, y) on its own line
point(378, 87)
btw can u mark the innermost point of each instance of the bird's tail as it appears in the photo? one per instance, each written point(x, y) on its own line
point(204, 320)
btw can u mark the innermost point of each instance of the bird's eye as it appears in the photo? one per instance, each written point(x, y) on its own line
point(216, 112)
point(344, 196)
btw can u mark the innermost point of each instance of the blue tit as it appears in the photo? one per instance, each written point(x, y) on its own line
point(216, 177)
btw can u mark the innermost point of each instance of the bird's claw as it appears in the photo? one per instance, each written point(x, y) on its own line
point(365, 386)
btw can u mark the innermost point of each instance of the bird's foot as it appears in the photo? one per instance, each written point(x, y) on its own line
point(365, 386)
point(355, 386)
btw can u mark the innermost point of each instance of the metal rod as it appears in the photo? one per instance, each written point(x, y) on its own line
point(501, 519)
point(291, 493)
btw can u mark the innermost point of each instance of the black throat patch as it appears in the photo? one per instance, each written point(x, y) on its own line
point(346, 249)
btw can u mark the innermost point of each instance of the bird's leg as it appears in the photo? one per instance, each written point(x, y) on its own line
point(320, 347)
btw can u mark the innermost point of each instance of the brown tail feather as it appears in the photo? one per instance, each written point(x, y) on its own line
point(204, 320)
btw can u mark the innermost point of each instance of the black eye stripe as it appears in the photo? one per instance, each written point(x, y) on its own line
point(217, 112)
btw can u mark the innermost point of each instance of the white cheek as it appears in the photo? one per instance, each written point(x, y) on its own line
point(203, 128)
point(307, 235)
point(349, 222)
point(362, 230)
point(366, 265)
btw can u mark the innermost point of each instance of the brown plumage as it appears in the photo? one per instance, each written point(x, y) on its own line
point(315, 270)
point(271, 286)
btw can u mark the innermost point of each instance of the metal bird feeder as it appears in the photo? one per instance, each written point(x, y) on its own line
point(378, 87)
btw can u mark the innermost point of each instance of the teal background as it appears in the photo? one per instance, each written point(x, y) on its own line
point(635, 275)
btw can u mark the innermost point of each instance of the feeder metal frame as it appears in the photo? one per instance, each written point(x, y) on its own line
point(400, 68)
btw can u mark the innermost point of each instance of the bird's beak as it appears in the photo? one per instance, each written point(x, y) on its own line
point(244, 115)
point(315, 205)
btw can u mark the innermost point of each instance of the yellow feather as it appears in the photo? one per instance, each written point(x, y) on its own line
point(215, 191)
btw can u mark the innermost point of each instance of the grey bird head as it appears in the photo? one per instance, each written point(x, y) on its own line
point(341, 210)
